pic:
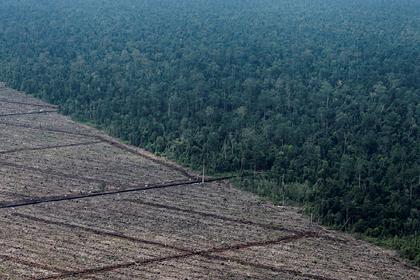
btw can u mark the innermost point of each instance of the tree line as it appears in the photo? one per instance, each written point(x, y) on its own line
point(319, 98)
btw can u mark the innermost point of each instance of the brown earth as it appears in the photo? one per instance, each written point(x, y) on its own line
point(77, 204)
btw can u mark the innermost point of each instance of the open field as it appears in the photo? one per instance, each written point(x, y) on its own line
point(77, 204)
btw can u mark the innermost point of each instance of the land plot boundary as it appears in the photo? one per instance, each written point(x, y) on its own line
point(33, 264)
point(185, 253)
point(148, 156)
point(49, 147)
point(58, 173)
point(28, 103)
point(68, 197)
point(208, 254)
point(28, 113)
point(116, 144)
point(48, 129)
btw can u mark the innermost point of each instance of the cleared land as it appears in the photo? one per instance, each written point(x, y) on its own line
point(76, 204)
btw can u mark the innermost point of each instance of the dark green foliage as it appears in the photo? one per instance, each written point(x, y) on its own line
point(324, 95)
point(409, 246)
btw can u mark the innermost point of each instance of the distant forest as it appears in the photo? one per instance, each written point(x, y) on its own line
point(318, 99)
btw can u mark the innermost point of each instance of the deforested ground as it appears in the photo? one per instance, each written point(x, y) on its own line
point(77, 204)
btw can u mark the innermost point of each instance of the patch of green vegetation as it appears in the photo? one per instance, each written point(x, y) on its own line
point(407, 246)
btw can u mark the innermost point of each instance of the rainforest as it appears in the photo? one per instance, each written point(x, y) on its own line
point(315, 103)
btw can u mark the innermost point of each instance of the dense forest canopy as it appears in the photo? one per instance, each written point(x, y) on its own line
point(321, 95)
